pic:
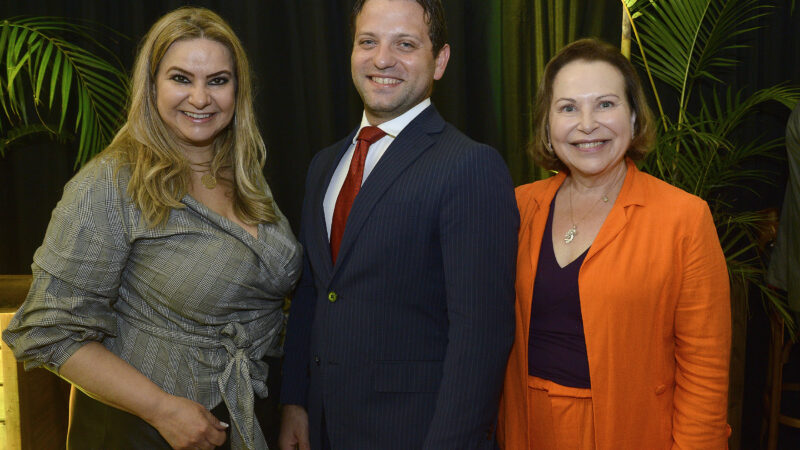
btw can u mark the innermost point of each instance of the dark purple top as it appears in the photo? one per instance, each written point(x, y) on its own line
point(556, 343)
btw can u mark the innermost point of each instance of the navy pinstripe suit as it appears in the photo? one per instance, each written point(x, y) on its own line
point(404, 341)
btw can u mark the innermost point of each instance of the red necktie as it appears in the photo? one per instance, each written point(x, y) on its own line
point(366, 137)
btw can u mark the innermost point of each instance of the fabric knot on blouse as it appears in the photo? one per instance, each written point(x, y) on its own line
point(194, 304)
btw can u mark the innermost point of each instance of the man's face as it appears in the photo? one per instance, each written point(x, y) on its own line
point(392, 63)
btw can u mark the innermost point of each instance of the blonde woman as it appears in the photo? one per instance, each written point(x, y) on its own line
point(159, 285)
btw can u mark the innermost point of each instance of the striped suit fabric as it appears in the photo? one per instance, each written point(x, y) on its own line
point(402, 343)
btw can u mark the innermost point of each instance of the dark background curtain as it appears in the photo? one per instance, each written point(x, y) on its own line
point(299, 50)
point(305, 101)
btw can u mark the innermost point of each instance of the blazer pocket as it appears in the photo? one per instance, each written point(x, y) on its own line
point(407, 376)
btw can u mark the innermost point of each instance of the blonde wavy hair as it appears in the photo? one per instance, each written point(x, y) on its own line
point(159, 172)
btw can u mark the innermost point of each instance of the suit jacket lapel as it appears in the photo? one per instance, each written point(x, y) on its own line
point(405, 149)
point(319, 247)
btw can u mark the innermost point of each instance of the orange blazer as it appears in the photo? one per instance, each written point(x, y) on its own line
point(655, 301)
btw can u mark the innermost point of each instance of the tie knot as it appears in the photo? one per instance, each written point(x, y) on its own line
point(370, 134)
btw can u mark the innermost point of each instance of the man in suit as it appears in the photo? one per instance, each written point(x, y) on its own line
point(400, 329)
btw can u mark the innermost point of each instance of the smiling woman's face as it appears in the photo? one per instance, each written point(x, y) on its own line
point(590, 121)
point(196, 91)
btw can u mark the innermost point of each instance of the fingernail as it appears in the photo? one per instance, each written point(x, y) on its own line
point(223, 424)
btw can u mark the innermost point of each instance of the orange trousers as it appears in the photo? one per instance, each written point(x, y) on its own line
point(559, 417)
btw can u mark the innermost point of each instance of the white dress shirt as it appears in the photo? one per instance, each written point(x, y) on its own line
point(392, 128)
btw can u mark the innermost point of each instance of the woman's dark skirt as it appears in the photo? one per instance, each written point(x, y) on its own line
point(97, 426)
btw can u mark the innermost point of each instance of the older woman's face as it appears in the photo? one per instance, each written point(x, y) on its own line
point(590, 121)
point(196, 92)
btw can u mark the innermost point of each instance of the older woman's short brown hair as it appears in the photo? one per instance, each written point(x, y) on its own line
point(590, 50)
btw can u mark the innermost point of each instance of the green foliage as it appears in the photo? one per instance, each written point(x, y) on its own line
point(688, 45)
point(70, 90)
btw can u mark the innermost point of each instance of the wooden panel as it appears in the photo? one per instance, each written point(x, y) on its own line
point(10, 391)
point(13, 290)
point(44, 409)
point(36, 403)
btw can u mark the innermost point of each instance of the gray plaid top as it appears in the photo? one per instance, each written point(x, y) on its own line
point(194, 304)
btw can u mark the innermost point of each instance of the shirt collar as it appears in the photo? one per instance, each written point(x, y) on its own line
point(395, 126)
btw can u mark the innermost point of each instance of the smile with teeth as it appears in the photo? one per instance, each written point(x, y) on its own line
point(386, 81)
point(196, 115)
point(589, 145)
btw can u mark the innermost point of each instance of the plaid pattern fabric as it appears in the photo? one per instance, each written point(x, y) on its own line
point(194, 304)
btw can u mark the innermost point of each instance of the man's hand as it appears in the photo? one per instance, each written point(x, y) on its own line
point(294, 428)
point(188, 425)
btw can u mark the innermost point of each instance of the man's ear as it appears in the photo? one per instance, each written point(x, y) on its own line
point(441, 61)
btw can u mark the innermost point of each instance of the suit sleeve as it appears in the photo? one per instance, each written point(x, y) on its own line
point(478, 227)
point(702, 342)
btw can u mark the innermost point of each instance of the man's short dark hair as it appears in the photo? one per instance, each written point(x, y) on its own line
point(434, 16)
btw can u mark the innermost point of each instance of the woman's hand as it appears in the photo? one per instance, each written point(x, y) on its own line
point(106, 377)
point(186, 424)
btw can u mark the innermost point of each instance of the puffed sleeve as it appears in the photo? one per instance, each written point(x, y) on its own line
point(76, 272)
point(702, 341)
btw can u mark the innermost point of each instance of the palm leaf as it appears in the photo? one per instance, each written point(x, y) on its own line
point(688, 44)
point(731, 114)
point(47, 65)
point(739, 238)
point(22, 131)
point(688, 40)
point(674, 159)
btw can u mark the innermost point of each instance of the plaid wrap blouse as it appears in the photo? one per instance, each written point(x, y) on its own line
point(193, 304)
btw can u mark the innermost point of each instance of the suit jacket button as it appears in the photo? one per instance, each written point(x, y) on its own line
point(332, 296)
point(316, 360)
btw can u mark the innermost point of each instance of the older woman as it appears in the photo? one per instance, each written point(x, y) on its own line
point(159, 285)
point(623, 315)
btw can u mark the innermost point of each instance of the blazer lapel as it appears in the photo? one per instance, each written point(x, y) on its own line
point(537, 216)
point(404, 150)
point(319, 247)
point(630, 194)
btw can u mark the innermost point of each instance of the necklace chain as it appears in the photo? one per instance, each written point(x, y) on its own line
point(569, 236)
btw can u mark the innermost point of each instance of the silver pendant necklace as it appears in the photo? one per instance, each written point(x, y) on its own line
point(573, 230)
point(569, 236)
